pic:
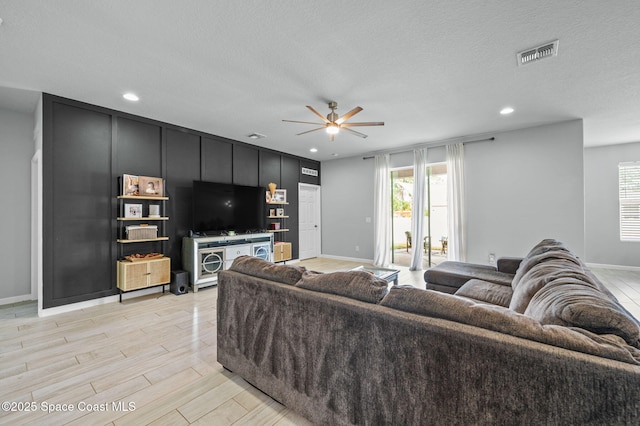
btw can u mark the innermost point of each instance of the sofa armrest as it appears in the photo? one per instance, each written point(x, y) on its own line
point(509, 265)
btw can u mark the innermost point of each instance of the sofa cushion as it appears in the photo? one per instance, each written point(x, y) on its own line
point(359, 285)
point(503, 320)
point(508, 265)
point(569, 302)
point(546, 245)
point(539, 275)
point(554, 253)
point(455, 274)
point(484, 291)
point(269, 271)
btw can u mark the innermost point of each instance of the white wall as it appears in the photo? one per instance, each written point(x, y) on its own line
point(16, 150)
point(525, 186)
point(602, 221)
point(347, 200)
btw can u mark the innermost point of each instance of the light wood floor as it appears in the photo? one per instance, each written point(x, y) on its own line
point(157, 353)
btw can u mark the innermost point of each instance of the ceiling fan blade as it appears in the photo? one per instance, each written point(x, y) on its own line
point(303, 122)
point(318, 114)
point(332, 137)
point(362, 135)
point(370, 123)
point(309, 131)
point(348, 115)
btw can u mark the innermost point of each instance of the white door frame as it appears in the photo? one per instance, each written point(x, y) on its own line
point(318, 247)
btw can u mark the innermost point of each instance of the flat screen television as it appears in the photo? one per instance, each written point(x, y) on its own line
point(221, 207)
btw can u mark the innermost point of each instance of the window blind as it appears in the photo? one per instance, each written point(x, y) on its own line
point(629, 196)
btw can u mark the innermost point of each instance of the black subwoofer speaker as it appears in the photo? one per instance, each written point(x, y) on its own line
point(179, 282)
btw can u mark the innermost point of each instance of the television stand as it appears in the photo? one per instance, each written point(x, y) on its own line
point(204, 257)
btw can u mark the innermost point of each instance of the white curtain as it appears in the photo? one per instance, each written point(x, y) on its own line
point(455, 203)
point(382, 212)
point(419, 205)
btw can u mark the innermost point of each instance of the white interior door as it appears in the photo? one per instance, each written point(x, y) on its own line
point(309, 220)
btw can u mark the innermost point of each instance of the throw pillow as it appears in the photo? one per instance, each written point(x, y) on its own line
point(359, 285)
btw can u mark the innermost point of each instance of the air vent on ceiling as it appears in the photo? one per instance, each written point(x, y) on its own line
point(547, 50)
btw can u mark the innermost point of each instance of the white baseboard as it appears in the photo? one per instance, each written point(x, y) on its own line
point(352, 259)
point(16, 299)
point(96, 302)
point(617, 267)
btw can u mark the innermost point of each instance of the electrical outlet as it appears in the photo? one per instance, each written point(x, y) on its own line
point(357, 248)
point(492, 258)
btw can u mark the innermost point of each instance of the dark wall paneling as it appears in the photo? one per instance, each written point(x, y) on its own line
point(86, 148)
point(139, 148)
point(183, 167)
point(290, 174)
point(245, 165)
point(270, 168)
point(217, 160)
point(77, 207)
point(314, 180)
point(138, 152)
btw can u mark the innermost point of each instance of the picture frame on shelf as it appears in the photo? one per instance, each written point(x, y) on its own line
point(151, 186)
point(133, 210)
point(154, 210)
point(272, 212)
point(267, 196)
point(280, 212)
point(130, 185)
point(279, 196)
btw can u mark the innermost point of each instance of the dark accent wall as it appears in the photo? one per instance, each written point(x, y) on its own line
point(87, 147)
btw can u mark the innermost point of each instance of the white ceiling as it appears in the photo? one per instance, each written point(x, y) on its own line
point(431, 70)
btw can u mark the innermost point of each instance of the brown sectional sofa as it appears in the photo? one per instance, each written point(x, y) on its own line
point(342, 348)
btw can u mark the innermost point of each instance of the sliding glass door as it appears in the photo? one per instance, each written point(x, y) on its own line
point(433, 245)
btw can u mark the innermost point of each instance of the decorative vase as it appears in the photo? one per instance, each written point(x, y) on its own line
point(272, 188)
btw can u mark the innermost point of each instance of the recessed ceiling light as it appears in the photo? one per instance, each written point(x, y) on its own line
point(314, 150)
point(506, 111)
point(131, 97)
point(256, 136)
point(335, 154)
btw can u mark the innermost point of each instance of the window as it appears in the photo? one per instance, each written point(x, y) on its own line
point(629, 195)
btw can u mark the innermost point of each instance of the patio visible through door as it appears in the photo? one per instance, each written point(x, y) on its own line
point(434, 244)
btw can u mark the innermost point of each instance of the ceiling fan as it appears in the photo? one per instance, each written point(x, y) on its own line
point(333, 124)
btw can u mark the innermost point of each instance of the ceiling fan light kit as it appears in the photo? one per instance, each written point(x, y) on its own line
point(332, 129)
point(333, 123)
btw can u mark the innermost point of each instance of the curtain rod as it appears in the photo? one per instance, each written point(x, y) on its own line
point(430, 146)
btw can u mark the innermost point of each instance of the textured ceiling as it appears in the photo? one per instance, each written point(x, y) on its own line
point(431, 70)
